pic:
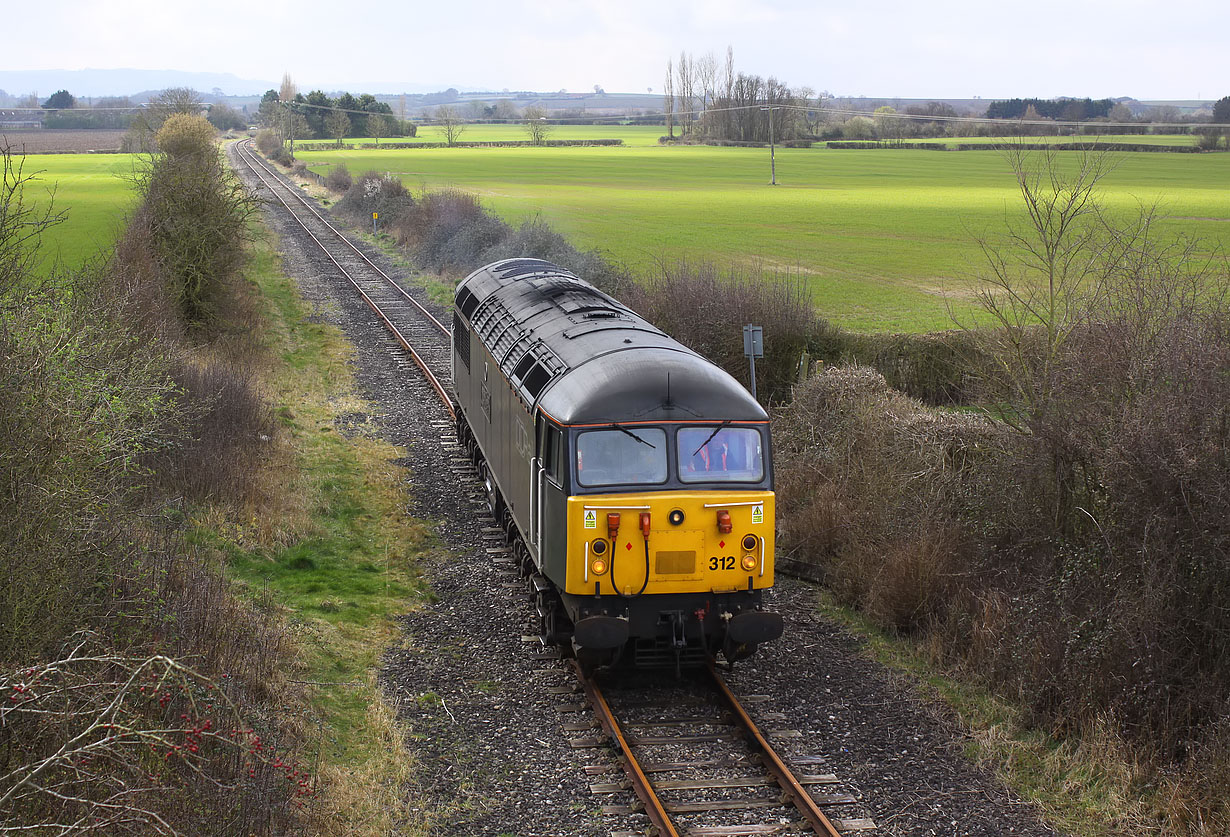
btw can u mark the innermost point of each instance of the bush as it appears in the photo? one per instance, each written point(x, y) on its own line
point(375, 192)
point(196, 213)
point(883, 494)
point(338, 179)
point(184, 137)
point(102, 598)
point(268, 141)
point(535, 239)
point(449, 231)
point(938, 369)
point(858, 128)
point(705, 308)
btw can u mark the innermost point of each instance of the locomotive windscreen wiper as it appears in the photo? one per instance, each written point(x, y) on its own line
point(634, 436)
point(716, 431)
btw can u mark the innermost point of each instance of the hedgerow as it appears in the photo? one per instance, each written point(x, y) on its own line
point(137, 690)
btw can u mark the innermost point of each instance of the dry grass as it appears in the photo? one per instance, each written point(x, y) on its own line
point(368, 798)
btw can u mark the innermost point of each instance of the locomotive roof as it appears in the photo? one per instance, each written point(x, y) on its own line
point(586, 358)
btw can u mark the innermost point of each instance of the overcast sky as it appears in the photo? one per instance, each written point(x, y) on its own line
point(884, 48)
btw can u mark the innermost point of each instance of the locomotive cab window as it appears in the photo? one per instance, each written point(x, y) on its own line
point(720, 454)
point(552, 452)
point(621, 456)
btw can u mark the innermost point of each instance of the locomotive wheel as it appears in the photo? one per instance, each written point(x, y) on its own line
point(521, 555)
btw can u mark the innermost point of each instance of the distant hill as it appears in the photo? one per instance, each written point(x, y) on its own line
point(87, 83)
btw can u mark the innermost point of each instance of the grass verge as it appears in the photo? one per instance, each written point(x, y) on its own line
point(331, 545)
point(1087, 785)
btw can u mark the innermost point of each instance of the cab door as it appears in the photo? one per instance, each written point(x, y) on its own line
point(548, 526)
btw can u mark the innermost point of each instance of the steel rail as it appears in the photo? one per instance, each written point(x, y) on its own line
point(791, 789)
point(640, 782)
point(256, 165)
point(245, 147)
point(793, 793)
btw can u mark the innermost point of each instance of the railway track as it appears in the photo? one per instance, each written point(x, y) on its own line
point(689, 749)
point(701, 767)
point(425, 338)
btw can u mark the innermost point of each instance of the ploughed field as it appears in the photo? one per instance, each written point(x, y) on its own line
point(885, 238)
point(66, 141)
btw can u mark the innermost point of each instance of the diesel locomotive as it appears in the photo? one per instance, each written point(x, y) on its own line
point(632, 475)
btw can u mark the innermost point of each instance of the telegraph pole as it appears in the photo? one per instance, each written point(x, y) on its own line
point(772, 156)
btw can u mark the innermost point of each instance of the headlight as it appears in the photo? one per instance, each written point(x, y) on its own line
point(749, 562)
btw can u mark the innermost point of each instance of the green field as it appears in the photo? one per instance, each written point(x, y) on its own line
point(1138, 139)
point(642, 136)
point(885, 237)
point(633, 135)
point(94, 190)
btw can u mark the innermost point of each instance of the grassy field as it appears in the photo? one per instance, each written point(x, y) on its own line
point(886, 238)
point(1146, 139)
point(632, 135)
point(94, 190)
point(643, 136)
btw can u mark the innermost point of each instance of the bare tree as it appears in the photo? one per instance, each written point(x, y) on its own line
point(706, 81)
point(706, 77)
point(21, 226)
point(450, 123)
point(288, 89)
point(668, 100)
point(687, 93)
point(505, 109)
point(147, 121)
point(337, 124)
point(286, 95)
point(1038, 273)
point(536, 124)
point(378, 126)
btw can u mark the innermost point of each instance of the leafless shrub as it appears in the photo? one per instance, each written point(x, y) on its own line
point(704, 307)
point(448, 230)
point(268, 141)
point(338, 179)
point(371, 192)
point(101, 742)
point(879, 491)
point(535, 239)
point(88, 540)
point(229, 428)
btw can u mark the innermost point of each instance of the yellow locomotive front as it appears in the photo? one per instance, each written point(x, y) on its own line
point(670, 542)
point(670, 535)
